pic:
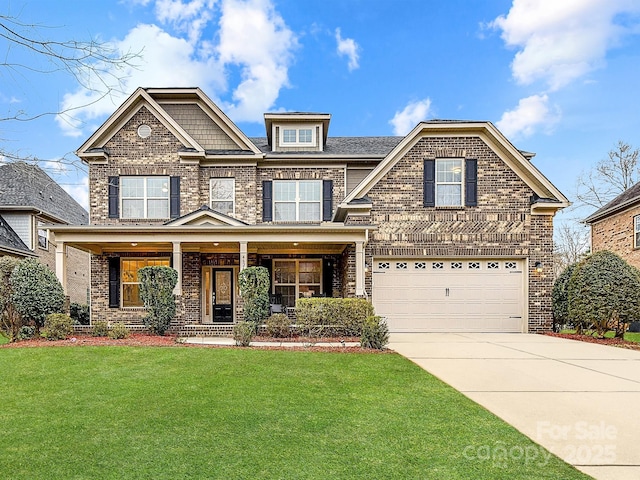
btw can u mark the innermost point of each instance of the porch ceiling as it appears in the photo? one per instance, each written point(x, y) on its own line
point(329, 239)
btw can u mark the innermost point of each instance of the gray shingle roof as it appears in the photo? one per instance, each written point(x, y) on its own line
point(624, 200)
point(25, 185)
point(10, 239)
point(374, 146)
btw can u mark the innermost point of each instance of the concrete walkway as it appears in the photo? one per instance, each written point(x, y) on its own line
point(579, 400)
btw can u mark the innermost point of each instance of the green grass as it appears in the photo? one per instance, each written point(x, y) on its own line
point(3, 339)
point(124, 412)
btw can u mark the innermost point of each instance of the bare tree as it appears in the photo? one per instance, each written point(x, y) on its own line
point(96, 66)
point(571, 244)
point(610, 177)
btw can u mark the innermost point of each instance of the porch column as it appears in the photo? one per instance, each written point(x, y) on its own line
point(360, 269)
point(61, 265)
point(177, 266)
point(243, 255)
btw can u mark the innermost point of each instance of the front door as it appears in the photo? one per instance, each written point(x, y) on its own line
point(217, 295)
point(222, 299)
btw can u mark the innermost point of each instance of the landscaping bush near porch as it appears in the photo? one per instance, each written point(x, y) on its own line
point(173, 413)
point(333, 316)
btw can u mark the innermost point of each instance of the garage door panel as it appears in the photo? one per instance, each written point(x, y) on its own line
point(450, 299)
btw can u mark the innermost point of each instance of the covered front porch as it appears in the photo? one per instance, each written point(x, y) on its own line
point(303, 261)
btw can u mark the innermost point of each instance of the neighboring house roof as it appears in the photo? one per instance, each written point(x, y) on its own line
point(368, 147)
point(10, 242)
point(626, 199)
point(27, 187)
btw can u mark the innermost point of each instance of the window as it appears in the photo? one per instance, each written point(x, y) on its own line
point(448, 182)
point(474, 265)
point(43, 241)
point(129, 274)
point(145, 197)
point(297, 201)
point(383, 265)
point(510, 265)
point(456, 265)
point(401, 265)
point(437, 265)
point(420, 265)
point(296, 136)
point(294, 279)
point(223, 193)
point(493, 265)
point(636, 231)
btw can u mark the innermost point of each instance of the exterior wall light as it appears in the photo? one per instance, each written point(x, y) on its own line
point(538, 267)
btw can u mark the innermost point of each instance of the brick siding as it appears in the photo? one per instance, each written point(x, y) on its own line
point(616, 233)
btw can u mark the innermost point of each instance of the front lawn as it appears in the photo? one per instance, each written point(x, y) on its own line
point(126, 412)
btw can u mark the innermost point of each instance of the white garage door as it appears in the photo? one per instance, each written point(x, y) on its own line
point(450, 295)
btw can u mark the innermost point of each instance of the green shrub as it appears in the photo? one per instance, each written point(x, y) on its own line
point(337, 316)
point(79, 313)
point(254, 290)
point(375, 333)
point(243, 333)
point(118, 331)
point(278, 325)
point(26, 332)
point(100, 329)
point(57, 326)
point(36, 291)
point(603, 293)
point(10, 319)
point(156, 291)
point(560, 296)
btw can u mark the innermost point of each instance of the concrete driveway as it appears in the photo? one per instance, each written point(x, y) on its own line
point(579, 400)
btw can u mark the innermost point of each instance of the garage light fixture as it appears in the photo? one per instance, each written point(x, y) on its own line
point(538, 267)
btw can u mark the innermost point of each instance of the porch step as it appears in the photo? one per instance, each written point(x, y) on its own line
point(196, 330)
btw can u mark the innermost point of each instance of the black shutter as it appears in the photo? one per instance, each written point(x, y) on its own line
point(114, 200)
point(327, 200)
point(471, 183)
point(327, 277)
point(114, 282)
point(429, 183)
point(267, 201)
point(174, 197)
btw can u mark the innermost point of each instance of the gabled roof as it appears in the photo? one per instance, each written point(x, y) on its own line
point(626, 199)
point(154, 99)
point(27, 187)
point(205, 215)
point(514, 158)
point(10, 242)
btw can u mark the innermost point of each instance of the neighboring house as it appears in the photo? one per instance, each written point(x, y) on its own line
point(30, 203)
point(446, 229)
point(616, 226)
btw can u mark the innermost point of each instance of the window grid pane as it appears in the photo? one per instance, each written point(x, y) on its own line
point(304, 135)
point(129, 278)
point(289, 135)
point(223, 195)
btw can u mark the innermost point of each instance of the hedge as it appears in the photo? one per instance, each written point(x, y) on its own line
point(335, 316)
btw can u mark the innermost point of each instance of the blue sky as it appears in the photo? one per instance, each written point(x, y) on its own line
point(559, 78)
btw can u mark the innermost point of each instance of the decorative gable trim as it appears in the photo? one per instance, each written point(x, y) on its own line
point(205, 215)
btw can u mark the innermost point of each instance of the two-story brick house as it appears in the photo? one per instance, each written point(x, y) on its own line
point(30, 202)
point(616, 226)
point(446, 229)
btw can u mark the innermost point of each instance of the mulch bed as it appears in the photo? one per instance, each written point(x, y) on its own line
point(614, 342)
point(142, 340)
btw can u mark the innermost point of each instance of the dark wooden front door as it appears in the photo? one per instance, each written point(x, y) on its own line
point(222, 295)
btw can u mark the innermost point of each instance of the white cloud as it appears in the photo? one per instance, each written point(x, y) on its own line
point(532, 114)
point(559, 41)
point(252, 36)
point(408, 118)
point(79, 192)
point(349, 48)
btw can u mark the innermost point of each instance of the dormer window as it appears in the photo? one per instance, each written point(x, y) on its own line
point(297, 136)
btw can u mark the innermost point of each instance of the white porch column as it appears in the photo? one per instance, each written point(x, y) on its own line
point(243, 255)
point(360, 269)
point(61, 265)
point(177, 266)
